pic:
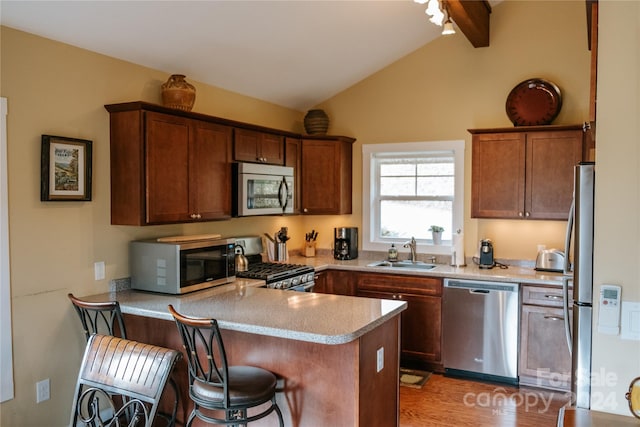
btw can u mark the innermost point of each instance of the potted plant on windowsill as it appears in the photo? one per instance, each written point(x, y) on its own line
point(436, 233)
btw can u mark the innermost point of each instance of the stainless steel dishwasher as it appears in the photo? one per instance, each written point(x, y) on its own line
point(480, 328)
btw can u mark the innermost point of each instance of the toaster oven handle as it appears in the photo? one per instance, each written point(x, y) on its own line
point(283, 193)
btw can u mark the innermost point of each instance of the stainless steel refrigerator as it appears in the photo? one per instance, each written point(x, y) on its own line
point(580, 273)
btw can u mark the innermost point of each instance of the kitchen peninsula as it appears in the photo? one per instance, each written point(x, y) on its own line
point(325, 349)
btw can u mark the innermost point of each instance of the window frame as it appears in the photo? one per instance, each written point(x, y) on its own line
point(370, 213)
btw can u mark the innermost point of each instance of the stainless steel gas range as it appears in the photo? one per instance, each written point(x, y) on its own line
point(284, 276)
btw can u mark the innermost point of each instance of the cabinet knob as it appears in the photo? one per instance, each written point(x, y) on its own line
point(195, 216)
point(520, 214)
point(305, 210)
point(527, 214)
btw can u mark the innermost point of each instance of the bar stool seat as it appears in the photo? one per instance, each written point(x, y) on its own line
point(248, 386)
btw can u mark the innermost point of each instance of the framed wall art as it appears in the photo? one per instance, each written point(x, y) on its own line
point(65, 169)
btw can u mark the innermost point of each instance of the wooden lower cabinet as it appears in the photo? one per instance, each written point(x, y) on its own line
point(544, 355)
point(421, 322)
point(336, 282)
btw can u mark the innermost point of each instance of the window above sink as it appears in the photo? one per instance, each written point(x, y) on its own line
point(407, 187)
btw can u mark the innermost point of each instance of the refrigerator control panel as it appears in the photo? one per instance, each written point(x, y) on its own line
point(609, 310)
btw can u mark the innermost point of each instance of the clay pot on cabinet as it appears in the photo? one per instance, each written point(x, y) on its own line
point(316, 122)
point(178, 93)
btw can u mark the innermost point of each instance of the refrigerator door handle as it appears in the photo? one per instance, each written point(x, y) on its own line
point(565, 307)
point(567, 238)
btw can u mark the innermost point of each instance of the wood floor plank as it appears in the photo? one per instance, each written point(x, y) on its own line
point(445, 402)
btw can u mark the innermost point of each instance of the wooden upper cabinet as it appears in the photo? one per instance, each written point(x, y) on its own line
point(168, 168)
point(326, 176)
point(258, 147)
point(525, 172)
point(293, 158)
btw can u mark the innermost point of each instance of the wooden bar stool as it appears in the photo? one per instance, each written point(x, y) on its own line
point(105, 318)
point(215, 386)
point(114, 366)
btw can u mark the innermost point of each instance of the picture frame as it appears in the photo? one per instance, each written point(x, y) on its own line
point(65, 169)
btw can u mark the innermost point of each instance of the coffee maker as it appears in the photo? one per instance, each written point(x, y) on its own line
point(486, 254)
point(345, 243)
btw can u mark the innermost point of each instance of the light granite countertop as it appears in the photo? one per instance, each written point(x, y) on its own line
point(244, 306)
point(321, 318)
point(512, 274)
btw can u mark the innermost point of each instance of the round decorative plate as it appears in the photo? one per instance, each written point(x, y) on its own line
point(534, 102)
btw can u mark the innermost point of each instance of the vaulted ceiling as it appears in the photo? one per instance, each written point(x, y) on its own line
point(292, 53)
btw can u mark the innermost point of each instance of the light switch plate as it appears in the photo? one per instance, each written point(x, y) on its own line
point(99, 270)
point(630, 321)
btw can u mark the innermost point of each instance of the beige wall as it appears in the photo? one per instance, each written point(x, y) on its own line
point(437, 92)
point(447, 87)
point(60, 90)
point(617, 225)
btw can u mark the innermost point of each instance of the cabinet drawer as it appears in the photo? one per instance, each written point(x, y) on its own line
point(397, 283)
point(545, 296)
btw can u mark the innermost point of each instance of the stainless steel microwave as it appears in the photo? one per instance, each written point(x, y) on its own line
point(262, 189)
point(181, 266)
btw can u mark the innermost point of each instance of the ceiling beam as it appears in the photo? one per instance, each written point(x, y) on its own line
point(472, 17)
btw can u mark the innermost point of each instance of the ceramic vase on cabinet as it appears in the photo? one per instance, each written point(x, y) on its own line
point(316, 122)
point(178, 93)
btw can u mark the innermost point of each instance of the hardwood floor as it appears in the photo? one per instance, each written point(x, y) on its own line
point(445, 401)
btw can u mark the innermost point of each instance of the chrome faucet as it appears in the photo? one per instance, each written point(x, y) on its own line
point(412, 246)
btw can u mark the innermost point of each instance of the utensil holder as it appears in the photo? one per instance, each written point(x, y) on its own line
point(309, 249)
point(281, 252)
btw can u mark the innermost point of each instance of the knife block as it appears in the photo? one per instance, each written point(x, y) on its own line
point(309, 249)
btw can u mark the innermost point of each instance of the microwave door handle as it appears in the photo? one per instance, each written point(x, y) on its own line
point(282, 198)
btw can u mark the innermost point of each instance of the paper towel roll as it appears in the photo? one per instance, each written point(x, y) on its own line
point(457, 250)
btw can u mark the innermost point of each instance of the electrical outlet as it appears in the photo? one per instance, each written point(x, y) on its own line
point(42, 391)
point(380, 359)
point(99, 270)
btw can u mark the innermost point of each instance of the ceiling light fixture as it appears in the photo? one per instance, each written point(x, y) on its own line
point(436, 15)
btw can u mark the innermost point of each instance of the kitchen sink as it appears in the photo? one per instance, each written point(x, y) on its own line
point(418, 265)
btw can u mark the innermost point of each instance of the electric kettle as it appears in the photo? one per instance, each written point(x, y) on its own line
point(241, 261)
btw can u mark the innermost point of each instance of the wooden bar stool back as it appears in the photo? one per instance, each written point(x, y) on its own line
point(114, 366)
point(215, 386)
point(102, 317)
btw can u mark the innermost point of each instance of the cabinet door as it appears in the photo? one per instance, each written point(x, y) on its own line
point(551, 157)
point(421, 324)
point(258, 147)
point(498, 175)
point(544, 355)
point(167, 159)
point(320, 282)
point(210, 171)
point(341, 282)
point(326, 177)
point(272, 149)
point(293, 158)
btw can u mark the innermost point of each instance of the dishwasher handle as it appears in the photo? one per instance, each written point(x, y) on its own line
point(478, 285)
point(479, 291)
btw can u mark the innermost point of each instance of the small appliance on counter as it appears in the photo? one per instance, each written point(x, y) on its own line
point(550, 260)
point(486, 254)
point(345, 244)
point(181, 264)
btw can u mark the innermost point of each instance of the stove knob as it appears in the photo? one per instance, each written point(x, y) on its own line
point(295, 281)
